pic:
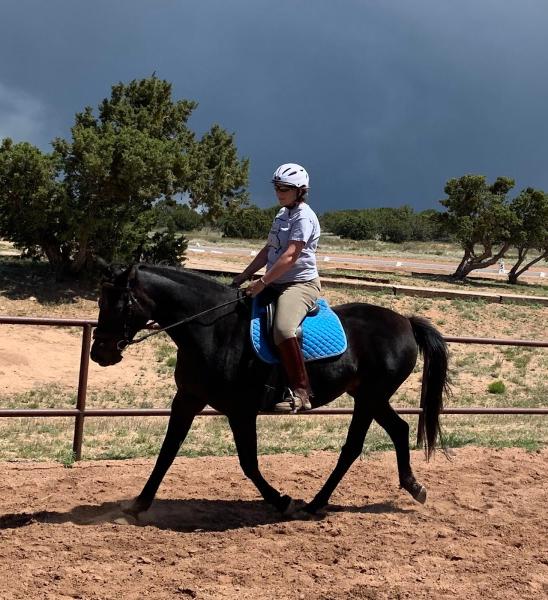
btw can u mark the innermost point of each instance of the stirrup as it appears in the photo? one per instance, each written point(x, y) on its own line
point(292, 403)
point(285, 406)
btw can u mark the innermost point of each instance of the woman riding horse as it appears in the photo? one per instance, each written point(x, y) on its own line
point(290, 259)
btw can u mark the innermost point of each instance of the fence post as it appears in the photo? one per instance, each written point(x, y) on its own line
point(82, 390)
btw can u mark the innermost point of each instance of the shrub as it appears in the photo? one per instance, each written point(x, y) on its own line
point(496, 387)
point(387, 224)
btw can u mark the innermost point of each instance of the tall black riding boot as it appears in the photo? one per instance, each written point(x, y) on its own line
point(295, 370)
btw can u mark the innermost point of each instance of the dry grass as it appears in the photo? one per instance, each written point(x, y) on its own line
point(473, 368)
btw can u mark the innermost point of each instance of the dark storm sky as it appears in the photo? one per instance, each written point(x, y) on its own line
point(381, 100)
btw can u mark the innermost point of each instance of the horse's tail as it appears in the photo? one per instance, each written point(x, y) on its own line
point(435, 382)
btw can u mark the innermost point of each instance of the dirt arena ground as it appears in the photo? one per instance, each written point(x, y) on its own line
point(481, 534)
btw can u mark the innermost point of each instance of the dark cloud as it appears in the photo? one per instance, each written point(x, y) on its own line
point(381, 101)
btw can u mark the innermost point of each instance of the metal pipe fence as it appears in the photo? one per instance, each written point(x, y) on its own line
point(80, 412)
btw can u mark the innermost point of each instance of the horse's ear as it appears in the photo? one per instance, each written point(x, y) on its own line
point(131, 272)
point(104, 266)
point(109, 270)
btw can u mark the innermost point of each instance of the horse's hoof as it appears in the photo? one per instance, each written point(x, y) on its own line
point(417, 491)
point(294, 508)
point(131, 509)
point(290, 509)
point(420, 495)
point(287, 505)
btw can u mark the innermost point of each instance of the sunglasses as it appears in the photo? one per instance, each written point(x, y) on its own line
point(283, 188)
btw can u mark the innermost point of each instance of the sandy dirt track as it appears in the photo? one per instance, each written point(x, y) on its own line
point(482, 533)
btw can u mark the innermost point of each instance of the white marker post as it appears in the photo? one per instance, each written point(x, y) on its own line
point(502, 270)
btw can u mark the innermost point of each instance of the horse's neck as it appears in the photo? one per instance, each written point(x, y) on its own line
point(175, 299)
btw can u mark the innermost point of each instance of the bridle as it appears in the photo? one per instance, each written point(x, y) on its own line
point(131, 303)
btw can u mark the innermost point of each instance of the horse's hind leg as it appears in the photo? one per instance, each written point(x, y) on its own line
point(183, 411)
point(398, 430)
point(361, 420)
point(244, 429)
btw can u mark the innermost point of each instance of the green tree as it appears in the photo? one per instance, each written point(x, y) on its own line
point(531, 230)
point(480, 218)
point(385, 223)
point(33, 202)
point(249, 222)
point(152, 238)
point(137, 152)
point(357, 226)
point(330, 221)
point(180, 217)
point(217, 177)
point(353, 224)
point(394, 224)
point(427, 226)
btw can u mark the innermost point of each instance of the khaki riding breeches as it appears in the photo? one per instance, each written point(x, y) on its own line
point(295, 300)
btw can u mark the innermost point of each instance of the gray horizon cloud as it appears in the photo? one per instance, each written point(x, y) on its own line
point(22, 116)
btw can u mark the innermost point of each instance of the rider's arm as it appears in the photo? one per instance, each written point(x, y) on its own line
point(284, 262)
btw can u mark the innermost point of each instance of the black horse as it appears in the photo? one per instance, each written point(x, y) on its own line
point(216, 365)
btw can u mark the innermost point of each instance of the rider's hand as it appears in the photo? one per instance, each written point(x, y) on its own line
point(238, 280)
point(254, 288)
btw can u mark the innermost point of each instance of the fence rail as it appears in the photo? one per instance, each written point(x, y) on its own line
point(81, 412)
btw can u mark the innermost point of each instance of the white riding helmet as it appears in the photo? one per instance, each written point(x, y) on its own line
point(291, 174)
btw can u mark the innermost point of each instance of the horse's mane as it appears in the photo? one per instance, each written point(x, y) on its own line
point(181, 275)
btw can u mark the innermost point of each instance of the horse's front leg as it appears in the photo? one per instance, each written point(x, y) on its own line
point(183, 411)
point(244, 429)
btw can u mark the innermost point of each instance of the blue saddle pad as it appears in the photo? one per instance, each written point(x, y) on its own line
point(322, 334)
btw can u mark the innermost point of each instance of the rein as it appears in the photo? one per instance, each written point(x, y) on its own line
point(125, 343)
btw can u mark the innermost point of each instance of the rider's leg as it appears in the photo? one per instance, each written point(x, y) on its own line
point(295, 300)
point(295, 370)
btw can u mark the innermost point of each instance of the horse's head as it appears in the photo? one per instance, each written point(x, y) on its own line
point(123, 311)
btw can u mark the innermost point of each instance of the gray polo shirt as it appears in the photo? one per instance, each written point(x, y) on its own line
point(299, 224)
